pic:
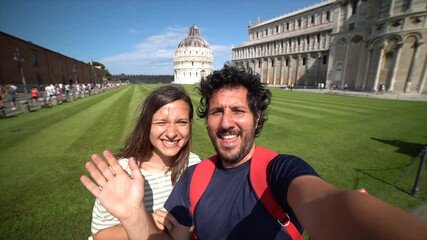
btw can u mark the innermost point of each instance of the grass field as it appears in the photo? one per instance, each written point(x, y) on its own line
point(352, 142)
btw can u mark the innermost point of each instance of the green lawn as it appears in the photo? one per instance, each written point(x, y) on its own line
point(352, 142)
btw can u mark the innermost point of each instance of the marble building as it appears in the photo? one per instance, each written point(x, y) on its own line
point(361, 43)
point(193, 58)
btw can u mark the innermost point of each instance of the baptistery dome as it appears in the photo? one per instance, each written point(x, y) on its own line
point(193, 58)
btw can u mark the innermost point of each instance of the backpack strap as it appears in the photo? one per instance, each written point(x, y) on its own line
point(258, 176)
point(203, 173)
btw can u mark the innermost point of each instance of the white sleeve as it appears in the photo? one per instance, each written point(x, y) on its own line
point(101, 218)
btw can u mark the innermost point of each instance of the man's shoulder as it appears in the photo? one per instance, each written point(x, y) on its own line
point(287, 157)
point(286, 163)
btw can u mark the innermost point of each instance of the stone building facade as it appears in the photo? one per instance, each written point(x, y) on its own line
point(39, 67)
point(361, 43)
point(380, 42)
point(193, 58)
point(291, 49)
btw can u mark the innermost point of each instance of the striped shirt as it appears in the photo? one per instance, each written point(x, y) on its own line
point(157, 187)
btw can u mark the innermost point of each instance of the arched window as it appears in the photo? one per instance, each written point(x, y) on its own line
point(354, 7)
point(325, 59)
point(406, 5)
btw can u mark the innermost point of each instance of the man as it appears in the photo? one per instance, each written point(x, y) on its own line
point(11, 95)
point(234, 103)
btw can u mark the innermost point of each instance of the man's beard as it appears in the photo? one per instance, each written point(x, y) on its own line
point(236, 157)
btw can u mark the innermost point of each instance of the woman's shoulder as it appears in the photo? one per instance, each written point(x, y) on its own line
point(193, 159)
point(124, 163)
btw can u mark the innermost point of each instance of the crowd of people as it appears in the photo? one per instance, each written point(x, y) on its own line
point(59, 89)
point(217, 198)
point(8, 92)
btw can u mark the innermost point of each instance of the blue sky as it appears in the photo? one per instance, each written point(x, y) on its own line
point(136, 36)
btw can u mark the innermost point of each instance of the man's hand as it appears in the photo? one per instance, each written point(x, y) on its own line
point(121, 194)
point(166, 222)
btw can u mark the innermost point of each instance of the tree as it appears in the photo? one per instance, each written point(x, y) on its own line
point(97, 64)
point(105, 72)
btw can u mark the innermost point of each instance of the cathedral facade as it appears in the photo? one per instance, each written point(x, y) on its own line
point(193, 58)
point(358, 43)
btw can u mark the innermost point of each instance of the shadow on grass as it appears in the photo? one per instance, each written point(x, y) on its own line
point(371, 173)
point(408, 148)
point(411, 149)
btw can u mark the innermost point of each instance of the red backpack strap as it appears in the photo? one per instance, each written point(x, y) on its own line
point(203, 173)
point(258, 177)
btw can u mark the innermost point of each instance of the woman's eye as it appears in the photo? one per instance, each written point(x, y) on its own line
point(183, 123)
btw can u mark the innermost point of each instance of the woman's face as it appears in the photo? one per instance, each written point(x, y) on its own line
point(170, 129)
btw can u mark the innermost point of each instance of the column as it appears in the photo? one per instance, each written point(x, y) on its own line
point(261, 73)
point(378, 71)
point(282, 66)
point(291, 72)
point(344, 71)
point(411, 69)
point(268, 70)
point(367, 68)
point(395, 67)
point(297, 60)
point(423, 79)
point(319, 60)
point(274, 70)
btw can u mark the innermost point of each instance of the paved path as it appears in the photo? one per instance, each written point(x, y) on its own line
point(395, 96)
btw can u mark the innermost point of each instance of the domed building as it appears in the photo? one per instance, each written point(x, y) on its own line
point(193, 58)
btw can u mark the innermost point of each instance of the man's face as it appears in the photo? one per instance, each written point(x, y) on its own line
point(231, 125)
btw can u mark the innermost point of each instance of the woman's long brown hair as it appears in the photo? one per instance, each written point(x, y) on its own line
point(138, 143)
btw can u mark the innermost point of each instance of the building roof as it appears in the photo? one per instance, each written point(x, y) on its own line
point(193, 39)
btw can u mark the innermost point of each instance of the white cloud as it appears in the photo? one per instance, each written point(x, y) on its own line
point(132, 30)
point(154, 55)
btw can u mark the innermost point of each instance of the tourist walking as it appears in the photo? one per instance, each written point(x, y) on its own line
point(34, 95)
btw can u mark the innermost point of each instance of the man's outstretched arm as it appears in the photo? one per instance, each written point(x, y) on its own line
point(330, 213)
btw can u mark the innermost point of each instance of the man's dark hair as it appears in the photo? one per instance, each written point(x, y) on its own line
point(232, 77)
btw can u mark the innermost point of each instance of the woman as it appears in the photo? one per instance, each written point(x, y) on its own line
point(160, 144)
point(35, 95)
